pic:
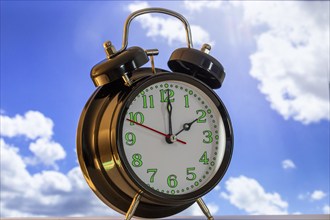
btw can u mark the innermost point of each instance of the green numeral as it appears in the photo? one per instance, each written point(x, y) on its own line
point(165, 93)
point(191, 175)
point(204, 158)
point(137, 162)
point(208, 135)
point(130, 138)
point(172, 181)
point(153, 171)
point(137, 116)
point(201, 117)
point(186, 101)
point(151, 101)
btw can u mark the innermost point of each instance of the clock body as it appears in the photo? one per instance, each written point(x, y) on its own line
point(123, 142)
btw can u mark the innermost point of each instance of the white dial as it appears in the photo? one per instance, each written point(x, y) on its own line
point(173, 137)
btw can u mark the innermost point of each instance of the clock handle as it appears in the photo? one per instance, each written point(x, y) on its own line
point(153, 10)
point(204, 208)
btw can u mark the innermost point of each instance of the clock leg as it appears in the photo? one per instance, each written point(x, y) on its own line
point(204, 208)
point(134, 205)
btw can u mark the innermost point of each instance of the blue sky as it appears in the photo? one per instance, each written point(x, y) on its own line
point(276, 91)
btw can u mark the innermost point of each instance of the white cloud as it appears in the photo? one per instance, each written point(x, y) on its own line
point(288, 164)
point(198, 6)
point(32, 125)
point(292, 57)
point(247, 194)
point(44, 193)
point(317, 195)
point(168, 28)
point(326, 209)
point(47, 151)
point(314, 196)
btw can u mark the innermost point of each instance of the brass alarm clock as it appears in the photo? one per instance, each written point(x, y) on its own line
point(151, 142)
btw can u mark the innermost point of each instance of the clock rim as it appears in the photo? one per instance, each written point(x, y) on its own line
point(148, 191)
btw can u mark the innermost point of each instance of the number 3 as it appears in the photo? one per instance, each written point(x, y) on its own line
point(208, 135)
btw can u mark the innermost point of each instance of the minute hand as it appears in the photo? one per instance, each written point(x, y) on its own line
point(169, 110)
point(186, 126)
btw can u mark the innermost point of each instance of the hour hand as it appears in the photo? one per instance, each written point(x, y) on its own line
point(186, 126)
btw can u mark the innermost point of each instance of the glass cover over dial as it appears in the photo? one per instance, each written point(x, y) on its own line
point(173, 137)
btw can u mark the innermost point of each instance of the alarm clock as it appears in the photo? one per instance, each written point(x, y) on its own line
point(151, 142)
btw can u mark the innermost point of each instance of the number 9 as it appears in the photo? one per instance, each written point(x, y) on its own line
point(130, 138)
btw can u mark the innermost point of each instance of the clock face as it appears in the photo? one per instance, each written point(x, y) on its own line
point(173, 137)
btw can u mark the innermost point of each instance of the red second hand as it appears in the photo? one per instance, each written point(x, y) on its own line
point(151, 129)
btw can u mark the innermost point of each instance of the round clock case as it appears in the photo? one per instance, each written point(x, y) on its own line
point(102, 156)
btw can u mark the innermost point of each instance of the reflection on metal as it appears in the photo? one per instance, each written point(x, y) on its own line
point(108, 165)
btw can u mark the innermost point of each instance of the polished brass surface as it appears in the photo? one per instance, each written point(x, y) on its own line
point(109, 48)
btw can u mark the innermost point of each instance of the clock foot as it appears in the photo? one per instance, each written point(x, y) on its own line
point(204, 208)
point(134, 205)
